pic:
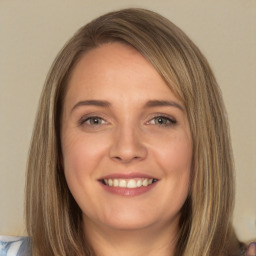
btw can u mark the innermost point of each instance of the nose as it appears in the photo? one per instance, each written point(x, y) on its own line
point(127, 145)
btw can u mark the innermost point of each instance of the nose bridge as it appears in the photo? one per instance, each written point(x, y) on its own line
point(127, 144)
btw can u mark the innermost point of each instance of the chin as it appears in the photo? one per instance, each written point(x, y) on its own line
point(132, 220)
point(128, 225)
point(123, 220)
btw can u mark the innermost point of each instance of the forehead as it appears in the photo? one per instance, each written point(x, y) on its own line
point(115, 69)
point(109, 61)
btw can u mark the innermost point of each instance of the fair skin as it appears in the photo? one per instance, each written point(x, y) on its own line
point(122, 124)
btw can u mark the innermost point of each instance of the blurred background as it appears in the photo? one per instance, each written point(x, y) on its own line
point(32, 32)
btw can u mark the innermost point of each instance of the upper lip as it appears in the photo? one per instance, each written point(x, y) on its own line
point(127, 176)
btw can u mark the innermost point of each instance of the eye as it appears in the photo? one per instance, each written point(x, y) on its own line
point(92, 121)
point(162, 121)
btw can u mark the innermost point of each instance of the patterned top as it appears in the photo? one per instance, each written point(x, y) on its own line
point(14, 246)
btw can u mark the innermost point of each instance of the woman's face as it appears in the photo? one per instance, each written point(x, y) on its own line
point(126, 141)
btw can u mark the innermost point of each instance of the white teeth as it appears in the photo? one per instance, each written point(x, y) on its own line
point(131, 184)
point(122, 183)
point(139, 183)
point(115, 183)
point(145, 182)
point(110, 182)
point(128, 183)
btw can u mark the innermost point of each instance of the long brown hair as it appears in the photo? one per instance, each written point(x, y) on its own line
point(54, 219)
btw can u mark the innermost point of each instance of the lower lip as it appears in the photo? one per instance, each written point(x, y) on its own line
point(129, 192)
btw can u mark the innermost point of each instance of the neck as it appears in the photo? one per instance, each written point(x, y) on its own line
point(148, 241)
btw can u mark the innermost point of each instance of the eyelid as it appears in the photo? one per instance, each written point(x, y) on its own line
point(171, 119)
point(85, 118)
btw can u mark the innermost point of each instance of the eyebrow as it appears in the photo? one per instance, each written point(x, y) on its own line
point(98, 103)
point(163, 103)
point(151, 103)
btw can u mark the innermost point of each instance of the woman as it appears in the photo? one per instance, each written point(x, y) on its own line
point(131, 152)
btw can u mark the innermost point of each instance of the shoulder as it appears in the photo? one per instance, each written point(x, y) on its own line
point(14, 246)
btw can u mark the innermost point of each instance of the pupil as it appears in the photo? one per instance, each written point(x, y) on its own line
point(160, 120)
point(95, 121)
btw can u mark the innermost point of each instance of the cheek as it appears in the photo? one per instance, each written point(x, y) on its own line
point(76, 165)
point(174, 154)
point(81, 158)
point(175, 160)
point(81, 153)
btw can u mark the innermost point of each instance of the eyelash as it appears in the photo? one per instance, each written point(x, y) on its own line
point(166, 121)
point(83, 120)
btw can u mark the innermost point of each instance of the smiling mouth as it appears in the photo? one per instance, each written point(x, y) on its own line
point(129, 183)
